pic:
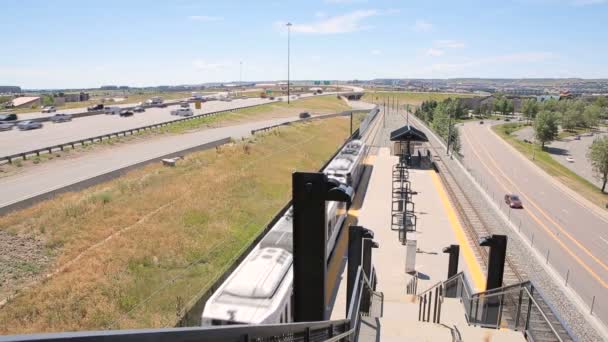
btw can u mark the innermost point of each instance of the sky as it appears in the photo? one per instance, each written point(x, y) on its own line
point(78, 44)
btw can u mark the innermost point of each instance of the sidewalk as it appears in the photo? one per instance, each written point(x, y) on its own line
point(435, 229)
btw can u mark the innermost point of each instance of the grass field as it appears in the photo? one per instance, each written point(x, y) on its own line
point(544, 160)
point(132, 252)
point(411, 98)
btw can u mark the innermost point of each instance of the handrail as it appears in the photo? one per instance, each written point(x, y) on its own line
point(430, 288)
point(544, 316)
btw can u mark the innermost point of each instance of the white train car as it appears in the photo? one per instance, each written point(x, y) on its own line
point(260, 288)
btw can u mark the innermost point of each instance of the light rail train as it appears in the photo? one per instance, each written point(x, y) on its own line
point(259, 290)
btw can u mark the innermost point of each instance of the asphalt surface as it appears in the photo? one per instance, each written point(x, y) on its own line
point(59, 173)
point(570, 231)
point(16, 141)
point(564, 148)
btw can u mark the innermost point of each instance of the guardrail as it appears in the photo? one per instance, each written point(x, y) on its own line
point(287, 123)
point(82, 142)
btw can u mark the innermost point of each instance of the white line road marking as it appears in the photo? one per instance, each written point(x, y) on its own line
point(606, 241)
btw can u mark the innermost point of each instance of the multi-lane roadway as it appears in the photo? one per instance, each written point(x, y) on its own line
point(571, 232)
point(16, 141)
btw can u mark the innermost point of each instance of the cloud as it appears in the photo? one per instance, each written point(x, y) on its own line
point(315, 58)
point(349, 22)
point(434, 52)
point(422, 26)
point(204, 18)
point(320, 14)
point(376, 52)
point(201, 64)
point(448, 43)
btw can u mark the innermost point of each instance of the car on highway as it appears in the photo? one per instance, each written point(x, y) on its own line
point(95, 108)
point(513, 201)
point(29, 124)
point(112, 110)
point(57, 118)
point(182, 112)
point(126, 112)
point(570, 159)
point(48, 109)
point(304, 115)
point(6, 126)
point(8, 117)
point(481, 122)
point(184, 104)
point(139, 109)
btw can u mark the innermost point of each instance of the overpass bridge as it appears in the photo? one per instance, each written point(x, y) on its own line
point(404, 266)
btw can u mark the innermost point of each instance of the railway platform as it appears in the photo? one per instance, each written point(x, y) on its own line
point(437, 227)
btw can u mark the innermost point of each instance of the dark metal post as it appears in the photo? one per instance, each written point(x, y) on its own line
point(496, 267)
point(351, 122)
point(454, 251)
point(368, 244)
point(288, 60)
point(310, 191)
point(356, 234)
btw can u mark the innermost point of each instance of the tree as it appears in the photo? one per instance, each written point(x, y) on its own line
point(601, 101)
point(510, 107)
point(529, 108)
point(598, 156)
point(570, 119)
point(591, 115)
point(47, 100)
point(545, 127)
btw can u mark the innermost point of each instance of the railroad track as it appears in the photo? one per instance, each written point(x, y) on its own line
point(476, 223)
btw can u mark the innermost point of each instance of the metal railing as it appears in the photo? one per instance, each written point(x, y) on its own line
point(514, 307)
point(287, 123)
point(308, 331)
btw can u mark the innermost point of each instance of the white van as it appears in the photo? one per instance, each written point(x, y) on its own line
point(112, 110)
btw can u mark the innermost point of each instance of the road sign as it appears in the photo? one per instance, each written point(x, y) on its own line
point(268, 91)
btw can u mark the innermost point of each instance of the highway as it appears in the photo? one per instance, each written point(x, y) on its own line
point(58, 173)
point(16, 141)
point(564, 227)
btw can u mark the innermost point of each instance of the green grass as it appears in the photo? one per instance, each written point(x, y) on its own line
point(572, 132)
point(411, 98)
point(546, 162)
point(175, 230)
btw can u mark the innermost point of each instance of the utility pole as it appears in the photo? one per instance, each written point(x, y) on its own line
point(241, 77)
point(288, 57)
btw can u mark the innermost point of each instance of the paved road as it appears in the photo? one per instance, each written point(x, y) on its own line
point(16, 141)
point(569, 229)
point(59, 173)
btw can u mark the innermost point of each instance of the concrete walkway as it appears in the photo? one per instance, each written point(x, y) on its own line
point(435, 230)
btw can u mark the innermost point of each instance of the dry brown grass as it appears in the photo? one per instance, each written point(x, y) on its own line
point(173, 232)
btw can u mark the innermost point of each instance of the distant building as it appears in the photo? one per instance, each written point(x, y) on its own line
point(109, 87)
point(26, 102)
point(10, 90)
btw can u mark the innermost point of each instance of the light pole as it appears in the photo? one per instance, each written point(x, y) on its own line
point(241, 76)
point(288, 85)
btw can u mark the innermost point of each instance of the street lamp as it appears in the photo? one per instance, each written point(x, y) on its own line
point(241, 77)
point(288, 34)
